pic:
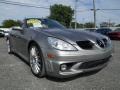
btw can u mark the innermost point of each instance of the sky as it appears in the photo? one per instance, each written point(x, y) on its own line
point(21, 12)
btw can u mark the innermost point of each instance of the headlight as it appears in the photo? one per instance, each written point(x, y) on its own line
point(60, 44)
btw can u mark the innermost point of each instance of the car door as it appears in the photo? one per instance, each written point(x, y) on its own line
point(22, 42)
point(13, 39)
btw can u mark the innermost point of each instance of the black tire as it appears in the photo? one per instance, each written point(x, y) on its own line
point(40, 61)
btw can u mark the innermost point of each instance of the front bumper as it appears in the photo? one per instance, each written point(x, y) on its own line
point(77, 61)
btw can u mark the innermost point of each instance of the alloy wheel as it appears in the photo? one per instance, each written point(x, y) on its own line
point(35, 60)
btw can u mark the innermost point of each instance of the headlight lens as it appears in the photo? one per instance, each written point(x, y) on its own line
point(60, 44)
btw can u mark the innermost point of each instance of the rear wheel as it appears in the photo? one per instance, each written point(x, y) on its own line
point(36, 61)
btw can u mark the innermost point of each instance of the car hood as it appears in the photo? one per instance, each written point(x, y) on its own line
point(72, 35)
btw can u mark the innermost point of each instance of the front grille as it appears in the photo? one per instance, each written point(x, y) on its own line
point(102, 42)
point(105, 41)
point(85, 44)
point(92, 64)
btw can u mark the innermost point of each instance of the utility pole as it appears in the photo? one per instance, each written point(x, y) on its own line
point(109, 22)
point(94, 11)
point(83, 22)
point(75, 13)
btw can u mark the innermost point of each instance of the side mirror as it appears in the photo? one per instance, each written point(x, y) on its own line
point(17, 28)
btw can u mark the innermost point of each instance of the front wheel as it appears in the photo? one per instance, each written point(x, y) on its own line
point(36, 61)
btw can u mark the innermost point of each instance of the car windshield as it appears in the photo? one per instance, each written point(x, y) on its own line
point(103, 30)
point(43, 23)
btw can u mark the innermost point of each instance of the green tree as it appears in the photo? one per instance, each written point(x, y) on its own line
point(79, 25)
point(61, 13)
point(118, 25)
point(89, 25)
point(107, 24)
point(1, 26)
point(9, 23)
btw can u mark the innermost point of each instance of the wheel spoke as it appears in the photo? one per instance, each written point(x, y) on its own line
point(35, 60)
point(37, 68)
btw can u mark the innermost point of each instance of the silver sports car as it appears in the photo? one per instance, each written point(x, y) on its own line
point(51, 49)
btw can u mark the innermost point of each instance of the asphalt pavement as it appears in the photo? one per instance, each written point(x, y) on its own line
point(15, 74)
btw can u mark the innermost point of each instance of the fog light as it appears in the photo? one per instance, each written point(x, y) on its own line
point(63, 67)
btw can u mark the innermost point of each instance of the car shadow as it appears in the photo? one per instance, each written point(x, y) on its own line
point(22, 59)
point(1, 36)
point(72, 78)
